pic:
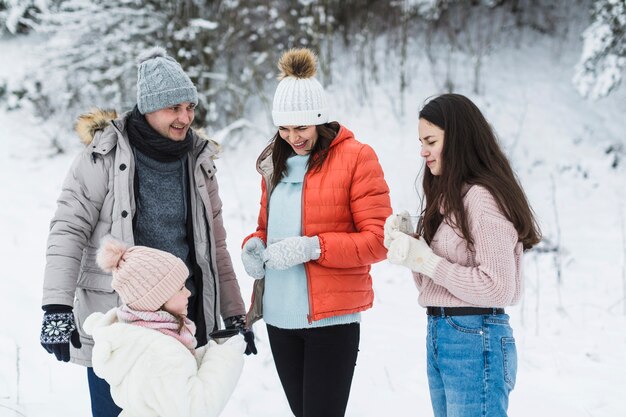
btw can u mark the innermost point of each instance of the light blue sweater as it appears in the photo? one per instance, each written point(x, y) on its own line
point(286, 300)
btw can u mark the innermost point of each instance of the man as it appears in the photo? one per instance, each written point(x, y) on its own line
point(148, 179)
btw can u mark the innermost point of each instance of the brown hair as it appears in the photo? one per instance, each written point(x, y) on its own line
point(471, 155)
point(180, 318)
point(281, 150)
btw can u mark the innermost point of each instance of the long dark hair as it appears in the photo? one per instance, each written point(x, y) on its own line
point(471, 155)
point(281, 150)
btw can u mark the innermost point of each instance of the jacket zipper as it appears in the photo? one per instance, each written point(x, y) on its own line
point(306, 269)
point(210, 260)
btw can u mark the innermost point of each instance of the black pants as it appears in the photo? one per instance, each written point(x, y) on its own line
point(315, 367)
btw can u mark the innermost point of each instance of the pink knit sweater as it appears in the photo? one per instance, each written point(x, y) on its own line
point(487, 276)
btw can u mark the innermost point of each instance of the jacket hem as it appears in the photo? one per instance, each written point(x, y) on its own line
point(327, 314)
point(81, 361)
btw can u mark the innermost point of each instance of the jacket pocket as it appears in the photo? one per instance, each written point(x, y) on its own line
point(91, 277)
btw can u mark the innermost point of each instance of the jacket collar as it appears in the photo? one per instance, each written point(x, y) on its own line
point(103, 129)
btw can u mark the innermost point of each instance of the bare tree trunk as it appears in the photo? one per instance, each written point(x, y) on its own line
point(328, 76)
point(478, 60)
point(17, 373)
point(621, 218)
point(404, 40)
point(557, 255)
point(448, 83)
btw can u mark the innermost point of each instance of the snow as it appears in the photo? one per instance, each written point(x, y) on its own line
point(571, 336)
point(204, 24)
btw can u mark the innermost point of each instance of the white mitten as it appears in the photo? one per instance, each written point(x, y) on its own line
point(400, 222)
point(252, 258)
point(413, 253)
point(291, 251)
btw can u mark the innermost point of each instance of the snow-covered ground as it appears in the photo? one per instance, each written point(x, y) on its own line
point(571, 335)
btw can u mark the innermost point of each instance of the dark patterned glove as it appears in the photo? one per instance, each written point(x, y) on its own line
point(58, 330)
point(239, 322)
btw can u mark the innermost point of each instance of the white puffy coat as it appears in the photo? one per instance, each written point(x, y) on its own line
point(152, 374)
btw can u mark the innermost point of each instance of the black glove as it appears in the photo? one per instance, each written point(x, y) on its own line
point(239, 322)
point(58, 330)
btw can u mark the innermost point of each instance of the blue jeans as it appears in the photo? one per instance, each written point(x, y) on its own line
point(102, 404)
point(472, 364)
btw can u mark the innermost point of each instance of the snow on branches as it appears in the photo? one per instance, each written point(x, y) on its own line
point(603, 59)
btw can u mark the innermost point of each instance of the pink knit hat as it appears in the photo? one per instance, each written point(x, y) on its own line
point(145, 278)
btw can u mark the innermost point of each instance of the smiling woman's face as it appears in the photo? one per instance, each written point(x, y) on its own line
point(301, 138)
point(431, 137)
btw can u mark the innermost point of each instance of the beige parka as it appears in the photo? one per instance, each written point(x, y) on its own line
point(97, 199)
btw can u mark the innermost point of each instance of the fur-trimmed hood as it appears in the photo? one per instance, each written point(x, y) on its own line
point(88, 124)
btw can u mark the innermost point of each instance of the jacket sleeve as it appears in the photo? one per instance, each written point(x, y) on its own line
point(217, 376)
point(78, 210)
point(370, 206)
point(261, 229)
point(231, 302)
point(167, 381)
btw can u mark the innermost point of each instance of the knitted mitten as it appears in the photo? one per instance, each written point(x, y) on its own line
point(413, 253)
point(291, 251)
point(252, 258)
point(58, 330)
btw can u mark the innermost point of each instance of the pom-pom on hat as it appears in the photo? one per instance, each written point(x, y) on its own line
point(145, 278)
point(300, 99)
point(161, 82)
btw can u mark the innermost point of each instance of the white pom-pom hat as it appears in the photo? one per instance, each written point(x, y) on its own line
point(145, 278)
point(300, 99)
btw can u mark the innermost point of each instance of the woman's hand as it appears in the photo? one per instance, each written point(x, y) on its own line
point(252, 258)
point(291, 251)
point(413, 253)
point(400, 222)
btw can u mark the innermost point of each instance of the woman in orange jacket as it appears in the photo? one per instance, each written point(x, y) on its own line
point(323, 206)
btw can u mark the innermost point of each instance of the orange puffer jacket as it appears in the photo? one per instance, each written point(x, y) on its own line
point(345, 204)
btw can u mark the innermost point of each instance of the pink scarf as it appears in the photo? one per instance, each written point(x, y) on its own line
point(161, 321)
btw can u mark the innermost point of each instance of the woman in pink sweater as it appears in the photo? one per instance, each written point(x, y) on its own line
point(466, 258)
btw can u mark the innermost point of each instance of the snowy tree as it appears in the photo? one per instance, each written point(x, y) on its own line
point(91, 55)
point(228, 48)
point(460, 35)
point(603, 59)
point(16, 16)
point(93, 46)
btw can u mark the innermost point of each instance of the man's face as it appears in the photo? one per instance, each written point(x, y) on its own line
point(172, 122)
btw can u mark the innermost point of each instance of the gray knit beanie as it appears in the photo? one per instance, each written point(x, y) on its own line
point(161, 82)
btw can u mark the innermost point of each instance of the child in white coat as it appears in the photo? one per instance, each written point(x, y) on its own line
point(146, 349)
